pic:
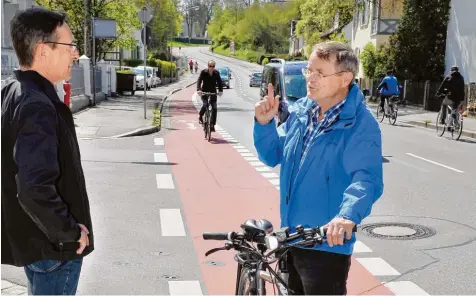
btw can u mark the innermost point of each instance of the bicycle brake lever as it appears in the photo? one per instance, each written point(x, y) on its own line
point(209, 252)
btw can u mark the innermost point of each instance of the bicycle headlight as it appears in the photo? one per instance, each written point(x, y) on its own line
point(271, 242)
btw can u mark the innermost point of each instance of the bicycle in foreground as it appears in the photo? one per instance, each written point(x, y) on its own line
point(254, 263)
point(453, 122)
point(208, 116)
point(390, 110)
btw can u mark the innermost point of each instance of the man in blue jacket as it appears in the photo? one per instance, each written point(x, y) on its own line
point(388, 88)
point(330, 152)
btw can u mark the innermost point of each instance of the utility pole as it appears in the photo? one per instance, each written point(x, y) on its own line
point(87, 27)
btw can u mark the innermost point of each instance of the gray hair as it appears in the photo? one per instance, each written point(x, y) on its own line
point(345, 56)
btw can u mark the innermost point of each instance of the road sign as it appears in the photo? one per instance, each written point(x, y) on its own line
point(145, 15)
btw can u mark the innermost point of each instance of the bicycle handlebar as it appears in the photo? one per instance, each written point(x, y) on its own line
point(308, 234)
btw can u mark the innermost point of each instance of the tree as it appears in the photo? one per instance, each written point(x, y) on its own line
point(420, 43)
point(317, 17)
point(123, 11)
point(165, 24)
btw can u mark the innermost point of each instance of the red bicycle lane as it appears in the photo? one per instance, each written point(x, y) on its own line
point(219, 191)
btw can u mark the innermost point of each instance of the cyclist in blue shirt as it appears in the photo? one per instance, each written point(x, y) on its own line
point(388, 87)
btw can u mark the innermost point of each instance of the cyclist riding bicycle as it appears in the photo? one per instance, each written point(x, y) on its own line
point(453, 87)
point(196, 66)
point(190, 64)
point(388, 88)
point(210, 79)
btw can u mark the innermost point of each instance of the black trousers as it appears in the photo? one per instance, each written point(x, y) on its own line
point(213, 101)
point(314, 272)
point(382, 100)
point(453, 104)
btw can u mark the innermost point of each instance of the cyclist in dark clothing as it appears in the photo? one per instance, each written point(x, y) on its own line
point(210, 79)
point(453, 87)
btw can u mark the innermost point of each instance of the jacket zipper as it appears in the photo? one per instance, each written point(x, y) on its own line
point(288, 196)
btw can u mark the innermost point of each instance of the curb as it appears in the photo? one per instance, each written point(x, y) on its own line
point(152, 129)
point(469, 134)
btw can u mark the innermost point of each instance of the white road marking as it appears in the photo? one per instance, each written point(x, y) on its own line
point(160, 157)
point(159, 141)
point(256, 163)
point(274, 182)
point(434, 162)
point(270, 175)
point(192, 126)
point(277, 187)
point(171, 222)
point(238, 146)
point(360, 247)
point(251, 158)
point(185, 288)
point(405, 288)
point(377, 266)
point(263, 169)
point(164, 181)
point(246, 154)
point(242, 150)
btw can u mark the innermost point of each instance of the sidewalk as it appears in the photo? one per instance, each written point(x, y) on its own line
point(124, 116)
point(419, 117)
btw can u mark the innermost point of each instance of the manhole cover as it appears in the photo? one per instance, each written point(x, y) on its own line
point(397, 231)
point(214, 263)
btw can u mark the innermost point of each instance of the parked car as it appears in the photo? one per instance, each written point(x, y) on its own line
point(288, 81)
point(225, 76)
point(151, 80)
point(255, 79)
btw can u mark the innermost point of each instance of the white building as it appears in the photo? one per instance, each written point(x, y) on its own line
point(9, 8)
point(461, 39)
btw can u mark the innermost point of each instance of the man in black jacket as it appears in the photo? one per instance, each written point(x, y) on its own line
point(453, 87)
point(211, 79)
point(46, 224)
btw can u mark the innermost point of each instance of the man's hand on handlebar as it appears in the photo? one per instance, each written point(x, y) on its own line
point(199, 93)
point(336, 229)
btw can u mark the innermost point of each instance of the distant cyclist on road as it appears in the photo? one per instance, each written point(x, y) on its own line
point(453, 87)
point(190, 64)
point(388, 88)
point(208, 81)
point(196, 66)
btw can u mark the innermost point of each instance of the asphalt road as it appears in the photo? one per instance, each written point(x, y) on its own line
point(429, 181)
point(143, 248)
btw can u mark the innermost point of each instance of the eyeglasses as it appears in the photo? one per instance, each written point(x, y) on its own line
point(211, 66)
point(72, 45)
point(317, 75)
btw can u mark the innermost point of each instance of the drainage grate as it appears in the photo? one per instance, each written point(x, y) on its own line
point(397, 231)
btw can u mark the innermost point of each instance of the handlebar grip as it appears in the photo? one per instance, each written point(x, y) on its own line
point(324, 230)
point(215, 235)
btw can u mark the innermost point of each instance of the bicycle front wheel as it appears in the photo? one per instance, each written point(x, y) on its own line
point(247, 283)
point(392, 118)
point(380, 113)
point(456, 133)
point(440, 128)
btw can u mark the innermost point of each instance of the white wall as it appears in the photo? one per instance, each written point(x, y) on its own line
point(461, 39)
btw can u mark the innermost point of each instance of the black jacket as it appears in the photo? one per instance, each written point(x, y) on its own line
point(453, 86)
point(43, 187)
point(210, 82)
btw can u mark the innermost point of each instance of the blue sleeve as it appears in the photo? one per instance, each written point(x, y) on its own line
point(363, 162)
point(269, 140)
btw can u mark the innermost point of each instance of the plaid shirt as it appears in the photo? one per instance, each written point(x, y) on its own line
point(315, 127)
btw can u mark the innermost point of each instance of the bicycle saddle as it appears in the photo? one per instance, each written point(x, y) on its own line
point(261, 226)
